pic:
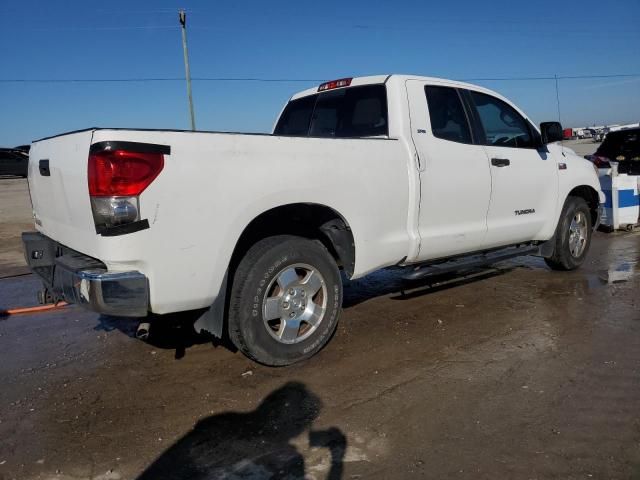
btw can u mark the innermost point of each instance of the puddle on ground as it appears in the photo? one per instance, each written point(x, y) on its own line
point(619, 274)
point(595, 281)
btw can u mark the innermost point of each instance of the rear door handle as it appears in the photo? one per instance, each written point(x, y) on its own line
point(500, 162)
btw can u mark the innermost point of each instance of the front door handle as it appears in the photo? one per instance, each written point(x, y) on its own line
point(500, 162)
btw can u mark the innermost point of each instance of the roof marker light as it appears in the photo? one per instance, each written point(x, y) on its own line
point(343, 82)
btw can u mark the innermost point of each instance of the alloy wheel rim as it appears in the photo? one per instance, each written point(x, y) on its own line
point(578, 234)
point(294, 303)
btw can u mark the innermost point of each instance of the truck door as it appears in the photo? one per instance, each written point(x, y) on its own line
point(455, 181)
point(524, 179)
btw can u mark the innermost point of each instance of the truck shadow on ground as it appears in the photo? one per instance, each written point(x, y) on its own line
point(391, 282)
point(169, 332)
point(256, 444)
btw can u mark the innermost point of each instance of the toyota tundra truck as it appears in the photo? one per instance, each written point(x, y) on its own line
point(255, 232)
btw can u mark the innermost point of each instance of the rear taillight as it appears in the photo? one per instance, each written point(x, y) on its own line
point(120, 172)
point(116, 179)
point(600, 161)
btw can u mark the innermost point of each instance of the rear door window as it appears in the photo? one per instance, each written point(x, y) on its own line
point(343, 113)
point(447, 115)
point(503, 125)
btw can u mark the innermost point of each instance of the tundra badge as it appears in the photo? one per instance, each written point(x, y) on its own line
point(525, 212)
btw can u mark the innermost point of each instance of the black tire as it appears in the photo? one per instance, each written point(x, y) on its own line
point(562, 257)
point(259, 275)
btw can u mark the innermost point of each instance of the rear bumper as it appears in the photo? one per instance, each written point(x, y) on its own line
point(122, 293)
point(77, 278)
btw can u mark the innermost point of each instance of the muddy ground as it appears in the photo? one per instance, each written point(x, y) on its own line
point(517, 372)
point(15, 218)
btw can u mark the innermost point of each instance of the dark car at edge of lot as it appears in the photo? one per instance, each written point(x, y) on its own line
point(14, 161)
point(622, 146)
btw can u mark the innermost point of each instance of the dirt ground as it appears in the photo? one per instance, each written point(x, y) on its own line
point(582, 147)
point(15, 218)
point(515, 372)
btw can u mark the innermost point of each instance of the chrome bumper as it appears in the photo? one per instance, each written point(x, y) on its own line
point(77, 278)
point(112, 293)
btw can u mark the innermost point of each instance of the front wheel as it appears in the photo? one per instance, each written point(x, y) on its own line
point(573, 236)
point(285, 300)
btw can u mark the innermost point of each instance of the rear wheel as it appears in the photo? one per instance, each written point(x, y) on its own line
point(573, 236)
point(285, 300)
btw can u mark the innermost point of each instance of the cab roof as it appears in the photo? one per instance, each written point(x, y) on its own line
point(377, 79)
point(402, 78)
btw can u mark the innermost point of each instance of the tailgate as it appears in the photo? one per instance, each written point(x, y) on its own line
point(59, 189)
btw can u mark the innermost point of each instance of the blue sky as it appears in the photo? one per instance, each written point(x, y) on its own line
point(302, 40)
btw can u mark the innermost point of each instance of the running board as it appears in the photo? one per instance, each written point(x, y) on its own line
point(419, 272)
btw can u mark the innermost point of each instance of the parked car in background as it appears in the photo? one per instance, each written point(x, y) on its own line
point(14, 161)
point(24, 148)
point(622, 146)
point(586, 133)
point(600, 135)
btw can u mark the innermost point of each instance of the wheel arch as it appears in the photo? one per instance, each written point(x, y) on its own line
point(310, 220)
point(590, 195)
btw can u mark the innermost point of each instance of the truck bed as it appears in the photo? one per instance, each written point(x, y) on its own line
point(212, 185)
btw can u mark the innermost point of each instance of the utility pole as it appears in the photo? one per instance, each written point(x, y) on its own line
point(183, 25)
point(557, 97)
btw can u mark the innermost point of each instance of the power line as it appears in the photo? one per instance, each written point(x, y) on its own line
point(256, 79)
point(108, 28)
point(355, 26)
point(291, 80)
point(558, 77)
point(88, 80)
point(154, 79)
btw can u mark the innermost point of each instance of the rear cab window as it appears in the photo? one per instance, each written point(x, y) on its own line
point(342, 113)
point(296, 117)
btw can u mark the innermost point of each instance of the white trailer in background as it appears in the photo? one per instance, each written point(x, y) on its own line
point(579, 132)
point(622, 205)
point(615, 128)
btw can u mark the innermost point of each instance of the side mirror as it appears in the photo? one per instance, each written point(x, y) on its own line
point(551, 132)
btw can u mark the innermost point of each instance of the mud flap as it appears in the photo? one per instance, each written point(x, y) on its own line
point(546, 248)
point(212, 320)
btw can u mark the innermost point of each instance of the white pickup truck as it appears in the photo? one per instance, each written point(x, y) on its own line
point(359, 174)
